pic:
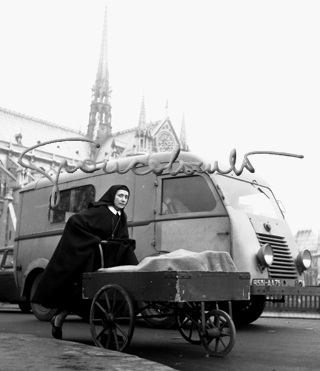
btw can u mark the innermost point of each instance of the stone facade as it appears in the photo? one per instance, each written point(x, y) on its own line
point(18, 133)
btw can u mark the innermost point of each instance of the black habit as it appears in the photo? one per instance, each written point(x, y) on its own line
point(78, 251)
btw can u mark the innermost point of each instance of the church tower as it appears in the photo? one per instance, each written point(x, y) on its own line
point(99, 127)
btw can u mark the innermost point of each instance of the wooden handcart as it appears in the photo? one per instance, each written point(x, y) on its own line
point(191, 296)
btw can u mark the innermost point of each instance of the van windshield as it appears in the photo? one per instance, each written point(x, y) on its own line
point(252, 198)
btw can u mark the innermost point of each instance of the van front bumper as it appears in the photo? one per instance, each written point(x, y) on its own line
point(285, 290)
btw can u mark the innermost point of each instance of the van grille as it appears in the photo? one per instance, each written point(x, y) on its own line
point(283, 265)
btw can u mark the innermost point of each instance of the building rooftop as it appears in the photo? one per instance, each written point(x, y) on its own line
point(21, 130)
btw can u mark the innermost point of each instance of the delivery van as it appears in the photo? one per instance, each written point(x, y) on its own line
point(194, 210)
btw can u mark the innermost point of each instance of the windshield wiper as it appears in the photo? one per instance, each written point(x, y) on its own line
point(260, 190)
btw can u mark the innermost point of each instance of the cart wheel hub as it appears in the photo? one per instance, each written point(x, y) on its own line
point(213, 333)
point(108, 319)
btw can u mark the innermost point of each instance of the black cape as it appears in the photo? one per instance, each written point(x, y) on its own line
point(78, 252)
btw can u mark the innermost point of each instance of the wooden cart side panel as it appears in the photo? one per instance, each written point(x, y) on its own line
point(205, 287)
point(139, 285)
point(172, 286)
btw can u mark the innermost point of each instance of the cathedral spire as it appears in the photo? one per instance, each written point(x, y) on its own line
point(142, 119)
point(183, 136)
point(99, 126)
point(143, 134)
point(167, 109)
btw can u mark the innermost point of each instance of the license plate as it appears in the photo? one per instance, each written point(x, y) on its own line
point(266, 282)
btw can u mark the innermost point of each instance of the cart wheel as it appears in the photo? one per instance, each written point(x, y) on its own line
point(220, 333)
point(112, 318)
point(189, 323)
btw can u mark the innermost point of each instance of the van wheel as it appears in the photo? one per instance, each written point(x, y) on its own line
point(42, 313)
point(156, 310)
point(245, 312)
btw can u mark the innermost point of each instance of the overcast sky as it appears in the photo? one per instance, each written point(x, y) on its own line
point(246, 75)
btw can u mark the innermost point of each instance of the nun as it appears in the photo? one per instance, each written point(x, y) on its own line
point(78, 252)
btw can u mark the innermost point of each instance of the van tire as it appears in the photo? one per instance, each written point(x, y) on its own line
point(41, 313)
point(245, 312)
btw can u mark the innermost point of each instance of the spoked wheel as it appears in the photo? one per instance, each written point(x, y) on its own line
point(220, 333)
point(112, 318)
point(189, 322)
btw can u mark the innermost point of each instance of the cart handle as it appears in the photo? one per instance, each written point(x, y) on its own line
point(101, 252)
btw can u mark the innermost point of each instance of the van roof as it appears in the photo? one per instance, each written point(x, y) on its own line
point(128, 163)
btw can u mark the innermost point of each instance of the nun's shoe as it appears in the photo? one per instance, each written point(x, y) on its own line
point(56, 331)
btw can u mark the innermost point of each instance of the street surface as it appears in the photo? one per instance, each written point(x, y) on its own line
point(270, 344)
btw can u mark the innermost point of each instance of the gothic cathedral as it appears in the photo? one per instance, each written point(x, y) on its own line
point(157, 136)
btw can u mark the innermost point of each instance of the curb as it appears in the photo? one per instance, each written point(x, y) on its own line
point(20, 352)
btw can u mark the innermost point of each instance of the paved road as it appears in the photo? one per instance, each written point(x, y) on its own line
point(267, 345)
point(270, 344)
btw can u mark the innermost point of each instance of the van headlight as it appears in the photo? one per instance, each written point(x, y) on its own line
point(265, 256)
point(303, 260)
